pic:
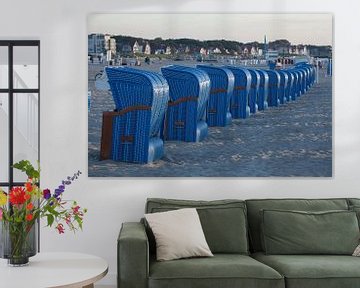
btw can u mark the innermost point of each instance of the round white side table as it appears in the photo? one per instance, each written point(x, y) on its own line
point(54, 270)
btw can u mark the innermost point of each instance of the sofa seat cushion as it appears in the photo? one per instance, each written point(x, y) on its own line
point(222, 270)
point(314, 271)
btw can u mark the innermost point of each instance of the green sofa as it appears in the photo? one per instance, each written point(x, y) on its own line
point(243, 238)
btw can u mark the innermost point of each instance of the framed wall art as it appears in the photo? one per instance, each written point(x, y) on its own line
point(210, 95)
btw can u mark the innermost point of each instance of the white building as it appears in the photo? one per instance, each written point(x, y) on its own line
point(147, 50)
point(203, 51)
point(137, 48)
point(168, 50)
point(253, 51)
point(217, 51)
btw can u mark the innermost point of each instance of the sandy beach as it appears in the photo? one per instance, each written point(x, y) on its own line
point(292, 140)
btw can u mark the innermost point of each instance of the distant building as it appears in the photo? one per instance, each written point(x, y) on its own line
point(260, 52)
point(216, 51)
point(253, 51)
point(187, 49)
point(137, 48)
point(271, 55)
point(246, 51)
point(305, 51)
point(147, 50)
point(203, 51)
point(96, 44)
point(168, 50)
point(110, 44)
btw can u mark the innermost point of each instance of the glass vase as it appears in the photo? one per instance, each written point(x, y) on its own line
point(18, 242)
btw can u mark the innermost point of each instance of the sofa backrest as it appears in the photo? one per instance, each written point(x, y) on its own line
point(256, 205)
point(224, 222)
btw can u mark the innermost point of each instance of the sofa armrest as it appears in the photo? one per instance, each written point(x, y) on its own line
point(133, 256)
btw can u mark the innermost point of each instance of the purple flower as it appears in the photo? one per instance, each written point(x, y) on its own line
point(64, 183)
point(46, 194)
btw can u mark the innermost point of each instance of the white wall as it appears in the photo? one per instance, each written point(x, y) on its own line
point(61, 27)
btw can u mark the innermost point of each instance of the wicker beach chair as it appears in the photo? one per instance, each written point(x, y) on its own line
point(263, 90)
point(309, 74)
point(302, 80)
point(293, 94)
point(189, 90)
point(254, 90)
point(289, 86)
point(283, 86)
point(239, 105)
point(298, 82)
point(222, 86)
point(274, 85)
point(131, 133)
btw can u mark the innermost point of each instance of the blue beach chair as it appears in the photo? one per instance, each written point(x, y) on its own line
point(294, 86)
point(289, 86)
point(254, 91)
point(239, 105)
point(263, 90)
point(189, 93)
point(298, 82)
point(274, 85)
point(302, 80)
point(283, 86)
point(222, 86)
point(132, 132)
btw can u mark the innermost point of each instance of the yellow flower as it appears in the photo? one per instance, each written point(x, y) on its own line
point(3, 198)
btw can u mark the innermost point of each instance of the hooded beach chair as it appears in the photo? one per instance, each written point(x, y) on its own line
point(283, 86)
point(290, 83)
point(254, 90)
point(274, 85)
point(239, 104)
point(263, 90)
point(131, 133)
point(189, 90)
point(222, 86)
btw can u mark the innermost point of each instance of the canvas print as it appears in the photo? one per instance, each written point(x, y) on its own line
point(210, 95)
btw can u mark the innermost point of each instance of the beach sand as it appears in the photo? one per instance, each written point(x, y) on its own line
point(292, 140)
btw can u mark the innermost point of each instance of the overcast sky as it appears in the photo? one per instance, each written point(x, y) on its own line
point(297, 28)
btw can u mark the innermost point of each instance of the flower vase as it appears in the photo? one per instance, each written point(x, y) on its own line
point(18, 242)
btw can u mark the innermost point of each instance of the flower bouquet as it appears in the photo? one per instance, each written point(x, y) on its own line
point(21, 208)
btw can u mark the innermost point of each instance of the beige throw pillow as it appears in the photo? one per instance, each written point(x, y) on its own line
point(357, 251)
point(178, 234)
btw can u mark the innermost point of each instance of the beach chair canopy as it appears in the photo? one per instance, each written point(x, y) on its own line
point(187, 82)
point(133, 88)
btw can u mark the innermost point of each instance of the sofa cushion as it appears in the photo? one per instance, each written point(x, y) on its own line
point(297, 232)
point(356, 209)
point(314, 271)
point(254, 216)
point(223, 221)
point(222, 270)
point(178, 234)
point(353, 201)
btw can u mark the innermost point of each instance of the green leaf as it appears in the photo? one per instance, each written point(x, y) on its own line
point(28, 168)
point(50, 219)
